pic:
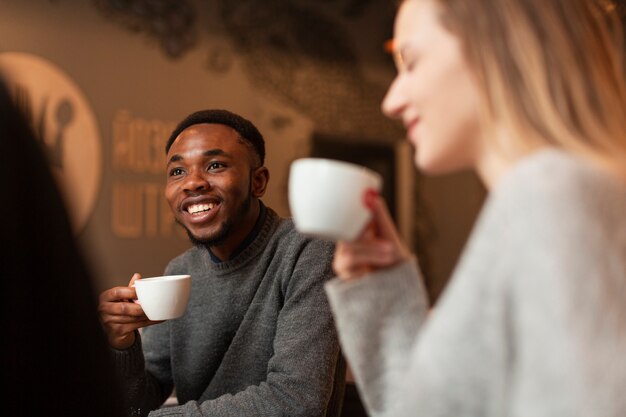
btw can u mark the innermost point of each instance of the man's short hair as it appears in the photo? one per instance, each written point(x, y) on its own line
point(246, 129)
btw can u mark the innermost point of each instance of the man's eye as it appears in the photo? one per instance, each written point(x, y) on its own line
point(175, 172)
point(215, 165)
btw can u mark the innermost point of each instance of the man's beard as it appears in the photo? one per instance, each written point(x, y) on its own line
point(223, 232)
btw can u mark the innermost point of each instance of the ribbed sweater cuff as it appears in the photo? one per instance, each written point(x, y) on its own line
point(129, 361)
point(399, 287)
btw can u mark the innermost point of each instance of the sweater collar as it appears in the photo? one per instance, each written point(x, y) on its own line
point(249, 238)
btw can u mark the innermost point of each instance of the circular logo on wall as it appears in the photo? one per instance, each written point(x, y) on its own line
point(63, 120)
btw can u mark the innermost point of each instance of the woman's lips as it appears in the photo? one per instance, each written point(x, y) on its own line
point(411, 127)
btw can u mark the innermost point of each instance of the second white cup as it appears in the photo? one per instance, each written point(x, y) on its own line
point(326, 197)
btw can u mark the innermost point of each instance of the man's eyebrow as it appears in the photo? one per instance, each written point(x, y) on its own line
point(174, 158)
point(216, 152)
point(210, 152)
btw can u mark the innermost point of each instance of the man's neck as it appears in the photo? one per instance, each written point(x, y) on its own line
point(233, 244)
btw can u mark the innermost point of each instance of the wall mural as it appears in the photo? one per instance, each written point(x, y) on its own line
point(59, 113)
point(300, 51)
point(303, 55)
point(172, 23)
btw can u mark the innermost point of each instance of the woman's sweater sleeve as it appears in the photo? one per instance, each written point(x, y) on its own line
point(379, 318)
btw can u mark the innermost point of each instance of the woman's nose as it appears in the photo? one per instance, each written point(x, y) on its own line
point(394, 101)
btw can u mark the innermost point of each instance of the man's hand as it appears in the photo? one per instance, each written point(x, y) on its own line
point(121, 315)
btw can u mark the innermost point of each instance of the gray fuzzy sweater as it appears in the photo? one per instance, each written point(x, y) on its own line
point(532, 322)
point(258, 338)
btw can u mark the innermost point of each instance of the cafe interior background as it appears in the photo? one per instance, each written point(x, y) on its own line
point(103, 82)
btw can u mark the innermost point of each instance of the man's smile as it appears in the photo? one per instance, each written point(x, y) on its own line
point(197, 211)
point(199, 208)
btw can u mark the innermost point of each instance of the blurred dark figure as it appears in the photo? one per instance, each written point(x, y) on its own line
point(54, 356)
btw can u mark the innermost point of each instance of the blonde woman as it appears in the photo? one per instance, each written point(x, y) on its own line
point(530, 94)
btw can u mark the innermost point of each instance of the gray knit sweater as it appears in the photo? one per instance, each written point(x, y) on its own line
point(532, 323)
point(257, 339)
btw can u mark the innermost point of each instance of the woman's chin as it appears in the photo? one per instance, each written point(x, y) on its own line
point(432, 166)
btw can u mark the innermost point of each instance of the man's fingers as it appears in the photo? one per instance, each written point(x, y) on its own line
point(114, 319)
point(134, 278)
point(121, 308)
point(117, 294)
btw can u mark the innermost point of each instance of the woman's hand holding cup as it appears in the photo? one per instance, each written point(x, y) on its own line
point(379, 246)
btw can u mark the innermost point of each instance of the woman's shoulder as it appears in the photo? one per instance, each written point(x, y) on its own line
point(551, 200)
point(554, 179)
point(552, 212)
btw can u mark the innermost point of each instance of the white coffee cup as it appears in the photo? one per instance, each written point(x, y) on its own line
point(326, 197)
point(164, 297)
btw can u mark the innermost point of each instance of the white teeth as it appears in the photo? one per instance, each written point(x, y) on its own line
point(197, 208)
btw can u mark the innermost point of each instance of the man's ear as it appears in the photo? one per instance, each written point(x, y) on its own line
point(259, 180)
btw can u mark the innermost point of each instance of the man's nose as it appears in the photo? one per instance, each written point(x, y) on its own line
point(197, 181)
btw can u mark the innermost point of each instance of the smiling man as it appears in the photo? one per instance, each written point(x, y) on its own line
point(258, 336)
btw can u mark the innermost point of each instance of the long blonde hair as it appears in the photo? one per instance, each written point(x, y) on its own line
point(552, 71)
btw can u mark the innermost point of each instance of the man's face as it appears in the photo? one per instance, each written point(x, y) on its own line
point(211, 183)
